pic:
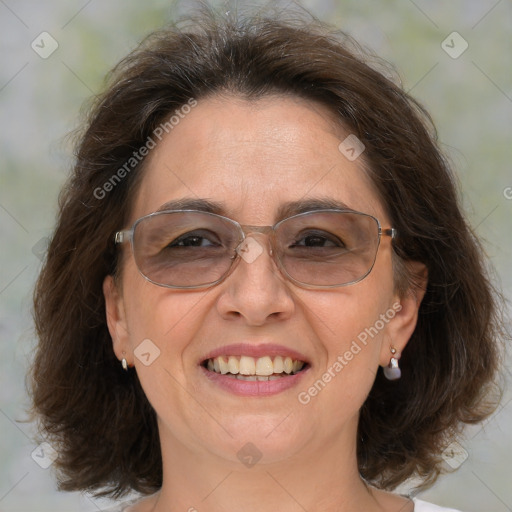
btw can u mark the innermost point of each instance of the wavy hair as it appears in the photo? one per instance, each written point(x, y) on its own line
point(97, 415)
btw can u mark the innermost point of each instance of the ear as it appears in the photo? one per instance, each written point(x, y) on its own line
point(402, 325)
point(116, 319)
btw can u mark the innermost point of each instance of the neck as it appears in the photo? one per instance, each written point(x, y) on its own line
point(316, 478)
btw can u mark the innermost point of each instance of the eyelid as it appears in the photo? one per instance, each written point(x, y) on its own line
point(315, 232)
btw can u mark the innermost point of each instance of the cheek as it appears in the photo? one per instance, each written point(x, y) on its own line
point(351, 325)
point(162, 325)
point(354, 334)
point(167, 318)
point(341, 381)
point(357, 315)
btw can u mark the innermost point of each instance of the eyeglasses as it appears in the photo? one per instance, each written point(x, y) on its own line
point(194, 249)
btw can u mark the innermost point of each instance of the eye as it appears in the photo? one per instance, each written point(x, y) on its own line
point(198, 238)
point(318, 239)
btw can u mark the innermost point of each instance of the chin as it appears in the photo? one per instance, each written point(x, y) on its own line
point(262, 439)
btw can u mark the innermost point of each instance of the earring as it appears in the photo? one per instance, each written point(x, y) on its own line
point(124, 363)
point(392, 370)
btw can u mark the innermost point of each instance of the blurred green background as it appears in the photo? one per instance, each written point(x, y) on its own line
point(469, 97)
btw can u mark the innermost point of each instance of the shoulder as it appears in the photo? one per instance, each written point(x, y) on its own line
point(419, 506)
point(423, 506)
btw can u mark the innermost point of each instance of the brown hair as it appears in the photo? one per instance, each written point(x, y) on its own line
point(97, 415)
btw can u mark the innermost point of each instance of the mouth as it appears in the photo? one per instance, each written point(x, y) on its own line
point(247, 368)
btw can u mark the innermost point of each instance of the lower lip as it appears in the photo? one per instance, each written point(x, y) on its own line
point(254, 388)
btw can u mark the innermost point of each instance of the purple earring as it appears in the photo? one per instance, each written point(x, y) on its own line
point(392, 370)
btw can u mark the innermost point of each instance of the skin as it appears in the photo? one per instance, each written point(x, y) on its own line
point(253, 156)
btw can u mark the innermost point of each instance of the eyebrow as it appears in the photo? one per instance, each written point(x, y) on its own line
point(190, 203)
point(284, 211)
point(307, 205)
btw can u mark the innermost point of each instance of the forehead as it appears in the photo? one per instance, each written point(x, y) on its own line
point(253, 157)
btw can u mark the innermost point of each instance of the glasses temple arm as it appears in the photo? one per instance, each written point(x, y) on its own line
point(123, 236)
point(389, 232)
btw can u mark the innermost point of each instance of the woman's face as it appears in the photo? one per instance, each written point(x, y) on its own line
point(253, 157)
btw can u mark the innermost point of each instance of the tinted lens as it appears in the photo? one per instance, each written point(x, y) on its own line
point(193, 249)
point(328, 248)
point(183, 249)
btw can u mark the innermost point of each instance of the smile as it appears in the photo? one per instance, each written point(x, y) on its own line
point(248, 368)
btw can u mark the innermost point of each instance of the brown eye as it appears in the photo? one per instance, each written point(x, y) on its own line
point(318, 239)
point(196, 239)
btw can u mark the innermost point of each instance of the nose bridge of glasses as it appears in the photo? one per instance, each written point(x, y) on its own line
point(257, 231)
point(248, 229)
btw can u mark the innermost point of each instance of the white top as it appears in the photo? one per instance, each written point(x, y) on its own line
point(419, 506)
point(423, 506)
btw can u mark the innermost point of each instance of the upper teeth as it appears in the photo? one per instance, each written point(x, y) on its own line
point(246, 365)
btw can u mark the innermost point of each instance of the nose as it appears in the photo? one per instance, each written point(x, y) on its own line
point(256, 290)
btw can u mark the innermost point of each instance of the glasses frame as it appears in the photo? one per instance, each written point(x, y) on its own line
point(244, 230)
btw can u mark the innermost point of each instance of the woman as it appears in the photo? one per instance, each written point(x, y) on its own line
point(261, 292)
